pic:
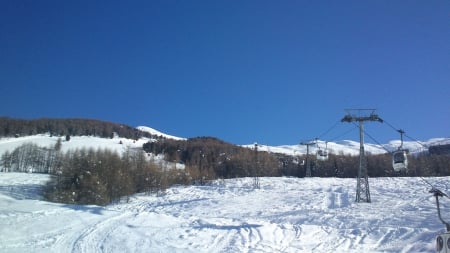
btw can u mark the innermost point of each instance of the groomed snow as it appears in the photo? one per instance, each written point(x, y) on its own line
point(285, 215)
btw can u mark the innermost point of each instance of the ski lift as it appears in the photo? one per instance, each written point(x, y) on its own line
point(322, 155)
point(400, 160)
point(442, 240)
point(399, 157)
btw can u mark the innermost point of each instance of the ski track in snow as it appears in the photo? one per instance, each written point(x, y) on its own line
point(285, 215)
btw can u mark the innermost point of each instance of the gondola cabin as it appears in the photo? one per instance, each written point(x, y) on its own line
point(322, 155)
point(400, 160)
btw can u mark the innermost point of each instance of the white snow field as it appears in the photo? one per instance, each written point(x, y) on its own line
point(284, 215)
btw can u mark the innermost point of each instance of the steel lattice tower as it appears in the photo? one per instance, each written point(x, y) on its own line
point(308, 172)
point(362, 184)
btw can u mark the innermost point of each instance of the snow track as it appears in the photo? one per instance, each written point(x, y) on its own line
point(285, 215)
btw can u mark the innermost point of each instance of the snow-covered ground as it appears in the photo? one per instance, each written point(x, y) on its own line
point(284, 215)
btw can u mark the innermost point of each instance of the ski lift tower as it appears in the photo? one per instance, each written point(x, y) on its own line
point(308, 165)
point(362, 185)
point(255, 169)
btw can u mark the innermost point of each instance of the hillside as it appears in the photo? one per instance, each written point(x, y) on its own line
point(210, 158)
point(10, 127)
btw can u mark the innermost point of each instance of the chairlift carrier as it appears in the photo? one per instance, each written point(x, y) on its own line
point(442, 240)
point(322, 154)
point(399, 157)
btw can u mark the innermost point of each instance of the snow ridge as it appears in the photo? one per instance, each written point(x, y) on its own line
point(158, 133)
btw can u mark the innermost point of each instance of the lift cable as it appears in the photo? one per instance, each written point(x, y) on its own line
point(329, 129)
point(373, 139)
point(343, 134)
point(398, 130)
point(434, 188)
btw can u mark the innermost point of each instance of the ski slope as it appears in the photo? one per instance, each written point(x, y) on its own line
point(284, 215)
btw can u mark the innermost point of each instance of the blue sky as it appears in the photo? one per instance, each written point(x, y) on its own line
point(273, 72)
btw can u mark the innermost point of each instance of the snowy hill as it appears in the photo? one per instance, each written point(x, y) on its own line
point(158, 133)
point(285, 215)
point(348, 147)
point(76, 142)
point(117, 144)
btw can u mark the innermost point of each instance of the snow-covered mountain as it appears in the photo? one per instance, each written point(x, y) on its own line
point(118, 144)
point(348, 147)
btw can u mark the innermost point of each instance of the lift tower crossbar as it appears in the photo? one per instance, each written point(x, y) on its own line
point(362, 184)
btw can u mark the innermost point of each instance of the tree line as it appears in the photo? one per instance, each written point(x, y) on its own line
point(425, 164)
point(30, 157)
point(101, 177)
point(213, 158)
point(88, 176)
point(10, 127)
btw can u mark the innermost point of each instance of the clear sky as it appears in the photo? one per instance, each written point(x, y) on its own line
point(272, 72)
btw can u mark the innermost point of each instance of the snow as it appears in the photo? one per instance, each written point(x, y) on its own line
point(284, 215)
point(345, 147)
point(75, 142)
point(349, 147)
point(158, 133)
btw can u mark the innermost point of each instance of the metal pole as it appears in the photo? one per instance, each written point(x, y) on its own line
point(362, 186)
point(255, 174)
point(308, 167)
point(308, 172)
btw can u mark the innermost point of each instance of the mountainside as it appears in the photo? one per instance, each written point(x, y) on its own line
point(346, 147)
point(37, 130)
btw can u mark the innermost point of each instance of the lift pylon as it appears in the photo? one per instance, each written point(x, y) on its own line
point(308, 164)
point(362, 184)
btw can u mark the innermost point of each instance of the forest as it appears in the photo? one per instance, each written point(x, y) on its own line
point(10, 127)
point(226, 160)
point(88, 176)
